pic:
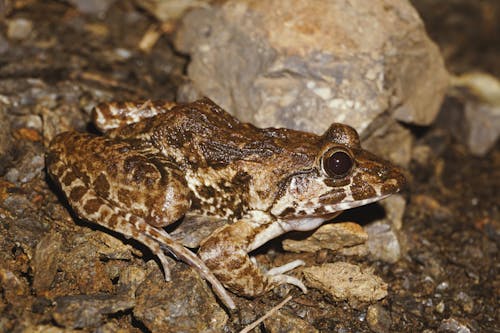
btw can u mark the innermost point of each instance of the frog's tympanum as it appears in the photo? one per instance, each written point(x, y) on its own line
point(160, 162)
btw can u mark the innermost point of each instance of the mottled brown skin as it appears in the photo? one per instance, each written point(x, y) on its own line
point(159, 161)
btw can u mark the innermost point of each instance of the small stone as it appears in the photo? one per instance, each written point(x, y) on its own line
point(484, 127)
point(383, 242)
point(333, 236)
point(378, 318)
point(185, 304)
point(465, 301)
point(4, 44)
point(443, 286)
point(95, 7)
point(45, 261)
point(170, 10)
point(452, 325)
point(395, 208)
point(392, 141)
point(482, 113)
point(88, 311)
point(283, 321)
point(19, 29)
point(344, 281)
point(440, 307)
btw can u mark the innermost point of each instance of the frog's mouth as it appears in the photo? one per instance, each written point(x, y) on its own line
point(344, 205)
point(326, 210)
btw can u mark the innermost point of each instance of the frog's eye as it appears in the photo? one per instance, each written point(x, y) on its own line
point(337, 163)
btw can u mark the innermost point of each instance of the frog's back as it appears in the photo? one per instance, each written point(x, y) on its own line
point(203, 134)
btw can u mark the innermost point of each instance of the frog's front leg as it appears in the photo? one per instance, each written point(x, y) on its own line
point(226, 254)
point(133, 192)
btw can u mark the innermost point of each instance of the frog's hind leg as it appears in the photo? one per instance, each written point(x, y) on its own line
point(94, 208)
point(132, 192)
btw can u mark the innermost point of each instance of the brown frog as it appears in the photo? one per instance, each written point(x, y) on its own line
point(159, 162)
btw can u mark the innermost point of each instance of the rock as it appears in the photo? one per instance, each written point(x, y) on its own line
point(452, 325)
point(87, 311)
point(170, 10)
point(346, 282)
point(84, 267)
point(45, 262)
point(383, 243)
point(272, 67)
point(484, 127)
point(378, 318)
point(473, 112)
point(95, 7)
point(333, 236)
point(29, 166)
point(394, 208)
point(4, 44)
point(392, 141)
point(465, 301)
point(185, 304)
point(283, 321)
point(440, 307)
point(19, 29)
point(5, 140)
point(12, 285)
point(47, 329)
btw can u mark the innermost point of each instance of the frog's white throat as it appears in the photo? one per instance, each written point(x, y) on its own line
point(312, 221)
point(306, 222)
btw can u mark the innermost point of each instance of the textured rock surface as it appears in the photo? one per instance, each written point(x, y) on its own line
point(283, 321)
point(334, 236)
point(346, 282)
point(186, 307)
point(305, 65)
point(383, 242)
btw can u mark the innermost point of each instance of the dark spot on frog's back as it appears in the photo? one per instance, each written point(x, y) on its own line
point(124, 196)
point(92, 206)
point(206, 191)
point(101, 185)
point(77, 193)
point(68, 178)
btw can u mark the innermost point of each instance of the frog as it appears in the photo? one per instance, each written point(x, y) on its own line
point(158, 163)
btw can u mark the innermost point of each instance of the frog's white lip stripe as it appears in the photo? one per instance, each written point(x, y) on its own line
point(356, 203)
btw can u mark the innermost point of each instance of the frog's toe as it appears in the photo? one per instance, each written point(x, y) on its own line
point(286, 267)
point(276, 275)
point(165, 265)
point(283, 278)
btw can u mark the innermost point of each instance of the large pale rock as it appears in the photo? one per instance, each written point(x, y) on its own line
point(304, 65)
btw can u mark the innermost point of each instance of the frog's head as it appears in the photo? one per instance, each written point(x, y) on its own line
point(342, 176)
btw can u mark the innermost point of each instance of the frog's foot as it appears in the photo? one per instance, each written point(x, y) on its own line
point(276, 275)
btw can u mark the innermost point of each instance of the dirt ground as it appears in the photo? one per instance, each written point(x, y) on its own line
point(51, 74)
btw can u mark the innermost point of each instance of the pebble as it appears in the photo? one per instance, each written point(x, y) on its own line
point(378, 318)
point(451, 325)
point(345, 281)
point(19, 29)
point(333, 236)
point(383, 242)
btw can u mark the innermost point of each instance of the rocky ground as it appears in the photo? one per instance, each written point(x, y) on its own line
point(59, 274)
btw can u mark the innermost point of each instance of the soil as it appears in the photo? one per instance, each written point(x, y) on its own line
point(61, 273)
